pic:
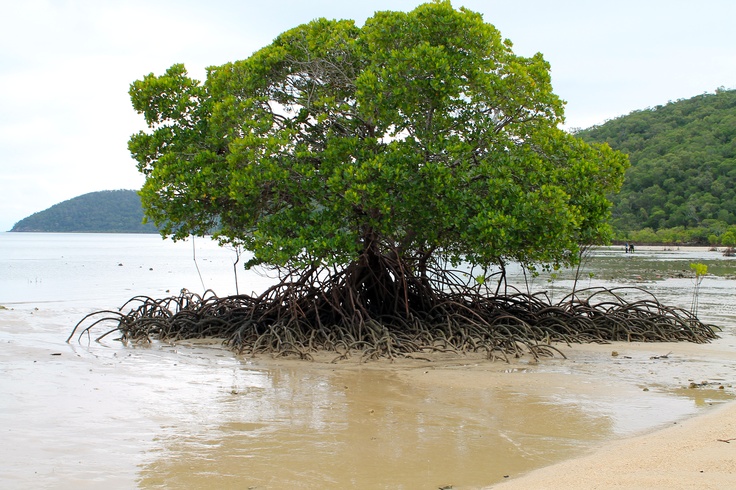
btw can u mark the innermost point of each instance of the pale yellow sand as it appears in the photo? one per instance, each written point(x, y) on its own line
point(699, 453)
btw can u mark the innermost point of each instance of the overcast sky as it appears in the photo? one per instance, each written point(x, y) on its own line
point(66, 65)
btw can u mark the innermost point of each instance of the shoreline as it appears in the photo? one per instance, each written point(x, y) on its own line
point(695, 451)
point(689, 450)
point(698, 452)
point(692, 450)
point(197, 415)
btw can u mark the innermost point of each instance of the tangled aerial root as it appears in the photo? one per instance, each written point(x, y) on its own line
point(282, 323)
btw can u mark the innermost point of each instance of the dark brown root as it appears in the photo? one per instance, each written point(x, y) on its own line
point(375, 318)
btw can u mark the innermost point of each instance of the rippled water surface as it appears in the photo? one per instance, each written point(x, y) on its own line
point(101, 415)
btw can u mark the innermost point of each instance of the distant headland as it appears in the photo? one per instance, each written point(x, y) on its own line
point(115, 211)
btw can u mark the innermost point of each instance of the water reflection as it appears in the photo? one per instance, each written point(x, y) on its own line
point(307, 427)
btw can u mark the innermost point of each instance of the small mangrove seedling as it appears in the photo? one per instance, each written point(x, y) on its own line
point(700, 271)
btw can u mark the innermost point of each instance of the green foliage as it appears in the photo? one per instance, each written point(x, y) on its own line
point(700, 270)
point(116, 211)
point(683, 165)
point(729, 238)
point(714, 233)
point(417, 135)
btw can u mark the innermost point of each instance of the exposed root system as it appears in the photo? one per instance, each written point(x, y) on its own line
point(299, 317)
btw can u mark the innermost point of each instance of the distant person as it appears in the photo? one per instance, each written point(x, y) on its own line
point(631, 248)
point(626, 247)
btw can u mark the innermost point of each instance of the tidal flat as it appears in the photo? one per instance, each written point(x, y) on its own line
point(195, 415)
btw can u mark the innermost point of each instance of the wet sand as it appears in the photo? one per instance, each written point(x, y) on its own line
point(698, 453)
point(193, 415)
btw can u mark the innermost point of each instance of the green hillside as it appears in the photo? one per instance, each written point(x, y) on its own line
point(117, 211)
point(681, 186)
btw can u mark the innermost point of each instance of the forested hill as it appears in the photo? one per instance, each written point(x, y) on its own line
point(116, 211)
point(682, 178)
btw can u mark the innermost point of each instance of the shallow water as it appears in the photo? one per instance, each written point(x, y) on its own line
point(93, 415)
point(195, 416)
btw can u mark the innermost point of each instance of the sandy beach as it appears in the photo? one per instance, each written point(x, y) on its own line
point(694, 452)
point(697, 453)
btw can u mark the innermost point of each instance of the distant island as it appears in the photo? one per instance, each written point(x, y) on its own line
point(117, 211)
